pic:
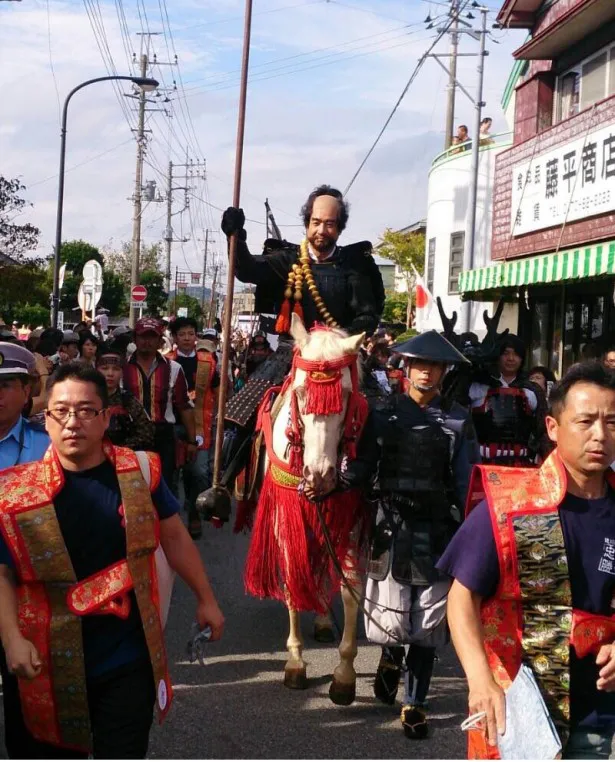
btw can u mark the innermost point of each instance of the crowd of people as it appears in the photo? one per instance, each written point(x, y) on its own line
point(494, 514)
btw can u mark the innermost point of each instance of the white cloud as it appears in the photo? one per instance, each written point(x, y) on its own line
point(305, 125)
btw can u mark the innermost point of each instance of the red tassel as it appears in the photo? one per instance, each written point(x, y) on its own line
point(282, 324)
point(324, 398)
point(288, 558)
point(298, 311)
point(217, 523)
point(244, 520)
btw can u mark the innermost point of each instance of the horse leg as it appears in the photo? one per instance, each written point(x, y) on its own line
point(323, 629)
point(343, 687)
point(294, 669)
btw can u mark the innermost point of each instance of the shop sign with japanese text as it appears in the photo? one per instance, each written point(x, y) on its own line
point(570, 182)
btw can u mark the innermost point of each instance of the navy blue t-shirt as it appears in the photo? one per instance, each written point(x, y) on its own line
point(589, 536)
point(87, 511)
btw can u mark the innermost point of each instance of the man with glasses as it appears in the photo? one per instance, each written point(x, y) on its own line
point(80, 619)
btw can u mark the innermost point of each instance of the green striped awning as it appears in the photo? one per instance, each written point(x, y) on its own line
point(587, 262)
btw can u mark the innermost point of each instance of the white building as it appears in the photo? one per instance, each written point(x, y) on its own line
point(448, 220)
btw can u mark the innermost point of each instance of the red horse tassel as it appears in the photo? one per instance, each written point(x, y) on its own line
point(288, 558)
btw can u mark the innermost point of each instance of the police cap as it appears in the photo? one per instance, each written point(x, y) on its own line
point(15, 360)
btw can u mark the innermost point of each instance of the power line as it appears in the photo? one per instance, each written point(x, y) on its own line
point(228, 19)
point(407, 86)
point(53, 74)
point(81, 163)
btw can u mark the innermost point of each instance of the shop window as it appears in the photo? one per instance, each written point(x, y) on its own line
point(611, 85)
point(587, 83)
point(431, 264)
point(569, 89)
point(455, 265)
point(540, 334)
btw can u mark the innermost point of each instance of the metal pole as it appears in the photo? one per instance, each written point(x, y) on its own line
point(168, 233)
point(136, 217)
point(175, 295)
point(55, 296)
point(213, 298)
point(241, 123)
point(468, 253)
point(452, 81)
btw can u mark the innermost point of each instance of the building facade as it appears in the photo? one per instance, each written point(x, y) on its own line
point(553, 217)
point(448, 220)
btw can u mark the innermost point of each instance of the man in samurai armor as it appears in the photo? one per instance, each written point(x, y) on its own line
point(420, 449)
point(338, 286)
point(508, 409)
point(534, 568)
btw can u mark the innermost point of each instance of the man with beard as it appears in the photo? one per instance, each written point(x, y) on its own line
point(508, 410)
point(421, 449)
point(338, 286)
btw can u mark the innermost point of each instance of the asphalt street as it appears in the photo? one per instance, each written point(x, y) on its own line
point(237, 707)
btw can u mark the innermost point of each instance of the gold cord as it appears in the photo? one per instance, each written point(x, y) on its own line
point(294, 285)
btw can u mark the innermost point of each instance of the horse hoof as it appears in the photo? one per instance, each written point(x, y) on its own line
point(342, 694)
point(295, 678)
point(323, 634)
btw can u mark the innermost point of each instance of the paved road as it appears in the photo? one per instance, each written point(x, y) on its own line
point(237, 707)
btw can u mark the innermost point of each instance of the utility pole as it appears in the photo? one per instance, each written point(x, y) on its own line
point(468, 254)
point(213, 297)
point(452, 81)
point(136, 217)
point(204, 271)
point(168, 232)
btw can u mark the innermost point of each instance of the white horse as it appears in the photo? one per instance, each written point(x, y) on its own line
point(305, 534)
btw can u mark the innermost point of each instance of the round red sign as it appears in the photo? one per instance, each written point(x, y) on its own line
point(139, 294)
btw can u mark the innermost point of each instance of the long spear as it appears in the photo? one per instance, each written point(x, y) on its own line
point(215, 503)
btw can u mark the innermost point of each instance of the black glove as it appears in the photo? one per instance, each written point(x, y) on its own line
point(233, 221)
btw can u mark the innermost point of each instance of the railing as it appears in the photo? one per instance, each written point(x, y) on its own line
point(464, 149)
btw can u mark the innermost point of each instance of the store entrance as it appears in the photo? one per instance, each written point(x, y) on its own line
point(565, 324)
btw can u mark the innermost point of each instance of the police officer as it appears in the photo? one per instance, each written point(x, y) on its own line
point(20, 440)
point(421, 449)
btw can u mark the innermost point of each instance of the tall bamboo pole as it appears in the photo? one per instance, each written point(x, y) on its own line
point(241, 121)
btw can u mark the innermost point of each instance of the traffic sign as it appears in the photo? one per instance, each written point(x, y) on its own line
point(138, 294)
point(138, 305)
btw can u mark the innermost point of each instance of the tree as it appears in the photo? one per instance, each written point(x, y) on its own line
point(114, 293)
point(193, 305)
point(32, 315)
point(156, 295)
point(21, 285)
point(395, 308)
point(15, 240)
point(407, 250)
point(74, 254)
point(121, 261)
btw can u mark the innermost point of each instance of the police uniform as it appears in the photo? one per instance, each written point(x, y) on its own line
point(26, 441)
point(421, 457)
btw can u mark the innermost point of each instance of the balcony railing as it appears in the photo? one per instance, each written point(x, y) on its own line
point(499, 140)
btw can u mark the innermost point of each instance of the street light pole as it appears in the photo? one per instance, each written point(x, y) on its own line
point(143, 82)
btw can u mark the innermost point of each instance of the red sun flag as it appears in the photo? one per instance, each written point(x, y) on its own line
point(421, 298)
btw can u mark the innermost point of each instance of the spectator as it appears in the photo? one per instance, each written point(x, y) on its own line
point(485, 131)
point(608, 358)
point(463, 138)
point(88, 344)
point(542, 377)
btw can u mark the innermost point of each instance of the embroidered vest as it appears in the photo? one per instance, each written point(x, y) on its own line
point(203, 396)
point(530, 618)
point(51, 600)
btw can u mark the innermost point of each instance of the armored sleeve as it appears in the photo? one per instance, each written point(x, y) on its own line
point(366, 296)
point(141, 435)
point(270, 269)
point(362, 470)
point(465, 456)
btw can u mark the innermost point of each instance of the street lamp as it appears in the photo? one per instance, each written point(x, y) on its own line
point(147, 85)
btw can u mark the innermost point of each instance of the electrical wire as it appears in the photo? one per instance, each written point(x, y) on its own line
point(53, 73)
point(228, 19)
point(81, 163)
point(407, 86)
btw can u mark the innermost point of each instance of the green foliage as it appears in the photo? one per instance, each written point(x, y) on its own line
point(113, 296)
point(15, 240)
point(24, 284)
point(76, 253)
point(32, 315)
point(156, 295)
point(395, 308)
point(193, 305)
point(406, 335)
point(405, 249)
point(120, 262)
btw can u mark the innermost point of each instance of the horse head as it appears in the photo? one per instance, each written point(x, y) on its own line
point(324, 399)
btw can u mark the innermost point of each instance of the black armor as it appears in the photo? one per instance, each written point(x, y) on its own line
point(505, 417)
point(349, 283)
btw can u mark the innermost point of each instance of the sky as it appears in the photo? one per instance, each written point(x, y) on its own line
point(325, 75)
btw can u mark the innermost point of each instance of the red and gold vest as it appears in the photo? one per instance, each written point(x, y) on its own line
point(51, 601)
point(203, 395)
point(531, 618)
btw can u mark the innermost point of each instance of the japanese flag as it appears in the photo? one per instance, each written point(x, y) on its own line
point(423, 301)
